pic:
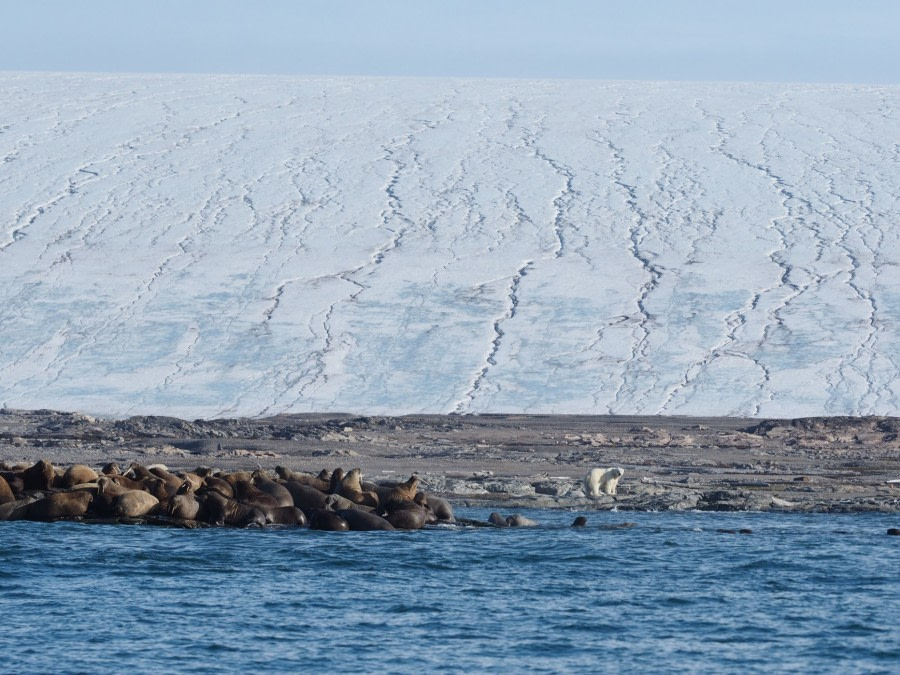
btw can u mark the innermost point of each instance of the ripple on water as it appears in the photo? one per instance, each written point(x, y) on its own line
point(790, 597)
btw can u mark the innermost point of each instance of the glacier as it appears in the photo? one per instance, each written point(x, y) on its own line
point(208, 246)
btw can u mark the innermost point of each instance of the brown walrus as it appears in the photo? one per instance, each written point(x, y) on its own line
point(410, 517)
point(281, 494)
point(219, 484)
point(306, 497)
point(6, 493)
point(321, 482)
point(224, 511)
point(351, 488)
point(247, 493)
point(76, 475)
point(403, 492)
point(284, 515)
point(11, 510)
point(134, 504)
point(39, 476)
point(59, 505)
point(328, 521)
point(518, 520)
point(185, 504)
point(363, 521)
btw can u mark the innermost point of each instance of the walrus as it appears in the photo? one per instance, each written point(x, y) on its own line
point(408, 518)
point(337, 503)
point(134, 504)
point(59, 505)
point(403, 492)
point(321, 482)
point(111, 469)
point(580, 521)
point(894, 531)
point(77, 473)
point(334, 485)
point(284, 515)
point(170, 478)
point(235, 476)
point(247, 493)
point(224, 511)
point(192, 478)
point(15, 482)
point(351, 488)
point(13, 510)
point(6, 493)
point(328, 521)
point(498, 520)
point(306, 497)
point(123, 481)
point(219, 484)
point(185, 504)
point(423, 501)
point(518, 520)
point(364, 521)
point(275, 490)
point(39, 476)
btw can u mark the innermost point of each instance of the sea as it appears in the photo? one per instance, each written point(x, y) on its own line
point(630, 592)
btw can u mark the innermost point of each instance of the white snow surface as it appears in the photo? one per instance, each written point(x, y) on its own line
point(207, 246)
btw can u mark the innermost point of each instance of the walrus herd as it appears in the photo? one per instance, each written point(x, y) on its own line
point(331, 500)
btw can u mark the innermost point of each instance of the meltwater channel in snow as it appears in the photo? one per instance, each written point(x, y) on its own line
point(208, 246)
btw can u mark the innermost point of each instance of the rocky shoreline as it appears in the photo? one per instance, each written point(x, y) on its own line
point(824, 464)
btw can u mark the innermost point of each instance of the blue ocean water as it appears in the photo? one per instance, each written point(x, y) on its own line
point(802, 593)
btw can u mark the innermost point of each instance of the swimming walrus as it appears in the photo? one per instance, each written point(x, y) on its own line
point(284, 515)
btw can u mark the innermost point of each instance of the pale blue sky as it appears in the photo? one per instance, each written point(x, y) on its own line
point(758, 40)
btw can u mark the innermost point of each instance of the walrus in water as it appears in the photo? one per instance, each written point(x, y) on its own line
point(406, 515)
point(59, 505)
point(328, 521)
point(580, 521)
point(284, 515)
point(224, 511)
point(498, 520)
point(518, 520)
point(364, 521)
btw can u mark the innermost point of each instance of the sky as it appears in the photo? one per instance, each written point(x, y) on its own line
point(853, 41)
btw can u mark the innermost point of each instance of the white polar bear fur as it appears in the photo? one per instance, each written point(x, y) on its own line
point(602, 481)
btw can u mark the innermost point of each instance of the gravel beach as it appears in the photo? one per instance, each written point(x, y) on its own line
point(827, 464)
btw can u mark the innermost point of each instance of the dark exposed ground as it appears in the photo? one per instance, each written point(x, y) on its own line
point(819, 464)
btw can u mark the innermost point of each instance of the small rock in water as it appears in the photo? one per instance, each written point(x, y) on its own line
point(894, 531)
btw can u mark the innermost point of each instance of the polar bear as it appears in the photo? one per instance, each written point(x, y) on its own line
point(602, 481)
